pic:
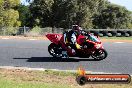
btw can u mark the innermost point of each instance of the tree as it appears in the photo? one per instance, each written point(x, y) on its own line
point(87, 10)
point(7, 4)
point(113, 17)
point(24, 15)
point(41, 12)
point(89, 13)
point(63, 13)
point(10, 18)
point(8, 15)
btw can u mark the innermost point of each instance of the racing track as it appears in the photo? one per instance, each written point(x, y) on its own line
point(27, 53)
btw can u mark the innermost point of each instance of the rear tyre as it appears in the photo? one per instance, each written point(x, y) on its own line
point(100, 54)
point(55, 50)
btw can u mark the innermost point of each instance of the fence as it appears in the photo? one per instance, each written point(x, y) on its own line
point(26, 31)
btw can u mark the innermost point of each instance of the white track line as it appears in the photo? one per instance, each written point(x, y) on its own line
point(28, 39)
point(5, 38)
point(119, 42)
point(32, 39)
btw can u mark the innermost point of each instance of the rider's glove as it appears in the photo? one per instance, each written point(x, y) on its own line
point(78, 46)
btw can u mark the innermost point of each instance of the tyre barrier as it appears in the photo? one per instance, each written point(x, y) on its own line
point(94, 32)
point(112, 33)
point(100, 35)
point(128, 33)
point(104, 33)
point(122, 33)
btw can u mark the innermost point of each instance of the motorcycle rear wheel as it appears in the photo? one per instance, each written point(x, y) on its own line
point(55, 50)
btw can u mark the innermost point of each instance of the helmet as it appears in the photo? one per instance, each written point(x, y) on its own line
point(75, 27)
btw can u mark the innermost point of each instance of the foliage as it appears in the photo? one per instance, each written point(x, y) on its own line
point(41, 10)
point(8, 15)
point(88, 13)
point(113, 17)
point(36, 29)
point(10, 18)
point(24, 15)
point(11, 30)
point(63, 13)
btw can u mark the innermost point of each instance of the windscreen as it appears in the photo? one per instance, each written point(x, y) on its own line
point(93, 38)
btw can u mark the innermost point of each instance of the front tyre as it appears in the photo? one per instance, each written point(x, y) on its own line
point(55, 50)
point(100, 54)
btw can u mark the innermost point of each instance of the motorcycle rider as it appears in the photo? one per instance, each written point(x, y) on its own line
point(70, 37)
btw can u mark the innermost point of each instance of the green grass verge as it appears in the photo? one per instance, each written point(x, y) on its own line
point(118, 38)
point(46, 79)
point(4, 83)
point(35, 79)
point(59, 73)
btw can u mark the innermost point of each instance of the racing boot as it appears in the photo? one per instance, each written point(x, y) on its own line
point(73, 52)
point(64, 54)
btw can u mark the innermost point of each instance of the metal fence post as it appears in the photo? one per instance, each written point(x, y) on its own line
point(24, 30)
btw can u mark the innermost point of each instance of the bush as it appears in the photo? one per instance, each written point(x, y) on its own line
point(10, 30)
point(36, 31)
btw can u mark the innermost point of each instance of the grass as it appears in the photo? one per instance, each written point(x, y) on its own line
point(4, 83)
point(17, 78)
point(60, 73)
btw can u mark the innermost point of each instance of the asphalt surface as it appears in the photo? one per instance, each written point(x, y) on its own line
point(34, 54)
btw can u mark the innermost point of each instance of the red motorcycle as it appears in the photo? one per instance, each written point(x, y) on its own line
point(90, 45)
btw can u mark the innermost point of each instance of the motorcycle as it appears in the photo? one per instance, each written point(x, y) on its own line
point(90, 45)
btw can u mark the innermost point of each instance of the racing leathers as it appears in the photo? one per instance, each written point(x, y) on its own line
point(70, 37)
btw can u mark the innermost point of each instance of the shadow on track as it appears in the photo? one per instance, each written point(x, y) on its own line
point(52, 59)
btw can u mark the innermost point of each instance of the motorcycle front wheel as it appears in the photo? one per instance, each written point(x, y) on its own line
point(99, 54)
